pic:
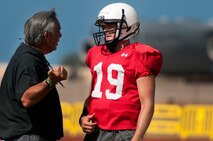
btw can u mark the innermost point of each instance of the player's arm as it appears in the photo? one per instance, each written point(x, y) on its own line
point(146, 89)
point(86, 120)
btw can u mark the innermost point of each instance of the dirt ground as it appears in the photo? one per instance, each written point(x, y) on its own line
point(80, 138)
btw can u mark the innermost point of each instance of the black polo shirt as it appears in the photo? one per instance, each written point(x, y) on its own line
point(26, 68)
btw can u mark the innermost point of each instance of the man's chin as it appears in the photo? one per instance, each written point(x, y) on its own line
point(52, 50)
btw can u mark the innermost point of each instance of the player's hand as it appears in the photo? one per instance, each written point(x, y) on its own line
point(57, 74)
point(87, 124)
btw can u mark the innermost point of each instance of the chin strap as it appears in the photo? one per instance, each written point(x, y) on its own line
point(111, 45)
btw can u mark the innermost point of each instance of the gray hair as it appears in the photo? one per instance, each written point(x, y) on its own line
point(36, 25)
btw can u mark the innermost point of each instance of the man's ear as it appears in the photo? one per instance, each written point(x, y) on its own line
point(46, 34)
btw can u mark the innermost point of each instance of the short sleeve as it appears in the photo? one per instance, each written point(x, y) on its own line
point(147, 61)
point(26, 77)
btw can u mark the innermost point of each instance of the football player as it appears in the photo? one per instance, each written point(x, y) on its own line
point(121, 102)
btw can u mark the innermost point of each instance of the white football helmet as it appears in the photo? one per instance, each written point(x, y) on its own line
point(126, 18)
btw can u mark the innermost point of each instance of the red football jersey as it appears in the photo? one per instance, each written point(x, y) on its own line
point(114, 97)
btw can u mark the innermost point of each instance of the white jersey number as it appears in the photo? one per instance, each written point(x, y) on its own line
point(118, 82)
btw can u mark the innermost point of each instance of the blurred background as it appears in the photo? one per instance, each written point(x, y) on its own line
point(181, 29)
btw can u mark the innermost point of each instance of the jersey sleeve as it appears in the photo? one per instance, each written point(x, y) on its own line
point(147, 61)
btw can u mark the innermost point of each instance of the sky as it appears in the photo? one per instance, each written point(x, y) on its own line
point(77, 19)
